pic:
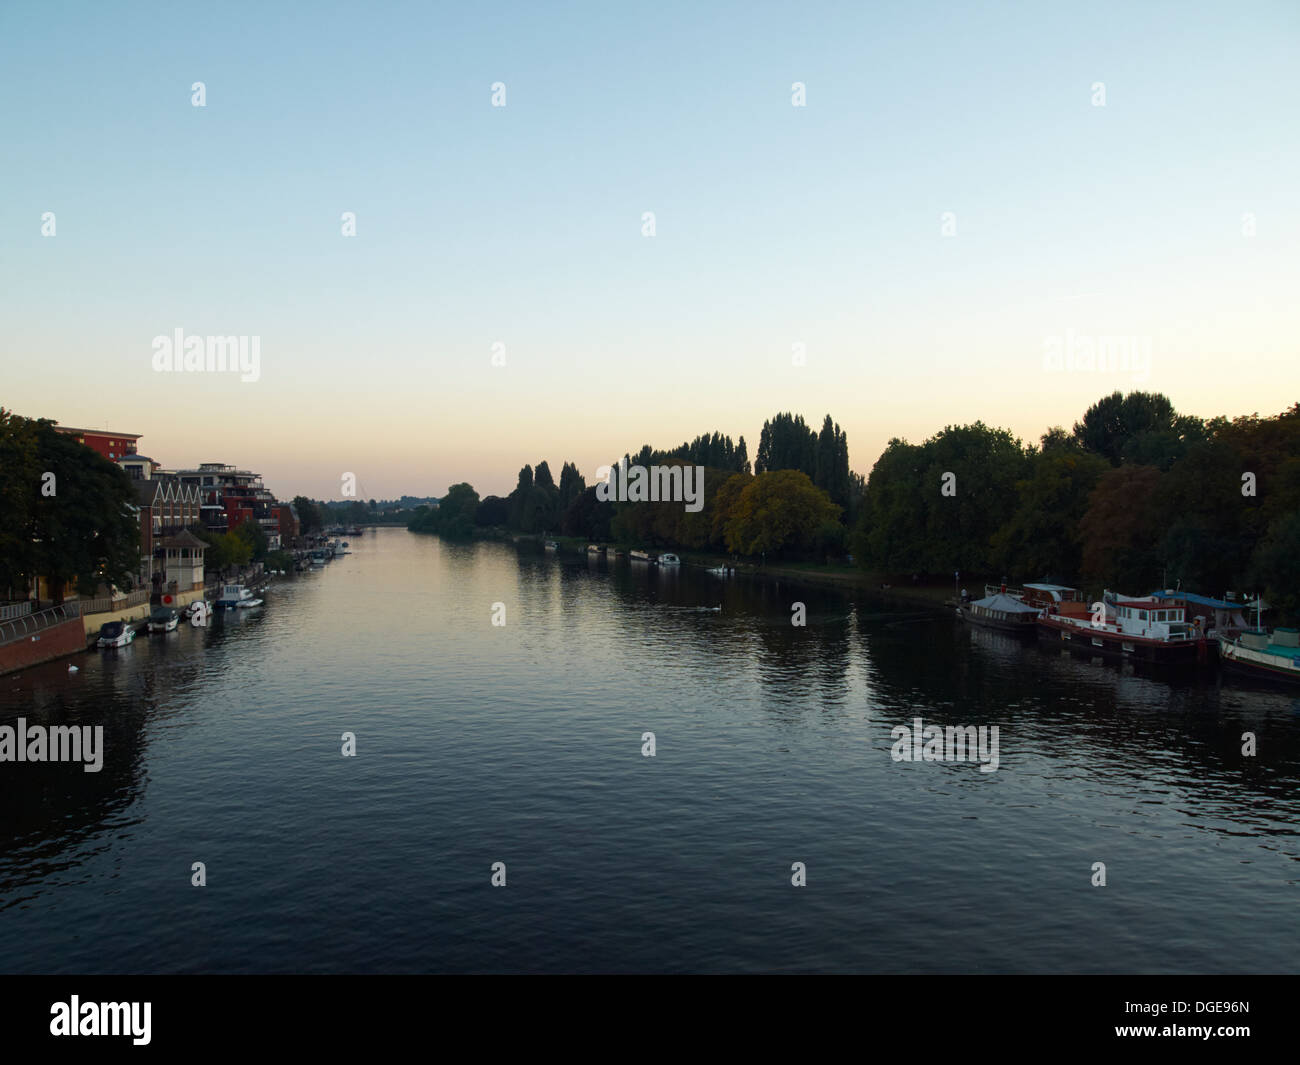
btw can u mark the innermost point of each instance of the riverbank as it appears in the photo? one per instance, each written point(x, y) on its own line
point(840, 574)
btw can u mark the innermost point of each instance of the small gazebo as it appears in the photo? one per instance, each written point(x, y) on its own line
point(183, 554)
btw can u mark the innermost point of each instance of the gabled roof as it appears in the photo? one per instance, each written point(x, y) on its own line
point(184, 538)
point(1005, 603)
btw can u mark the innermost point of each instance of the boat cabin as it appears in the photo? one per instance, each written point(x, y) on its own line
point(1152, 617)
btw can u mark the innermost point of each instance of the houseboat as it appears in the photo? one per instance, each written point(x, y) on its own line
point(236, 597)
point(1150, 629)
point(1262, 655)
point(115, 634)
point(1000, 610)
point(163, 619)
point(669, 559)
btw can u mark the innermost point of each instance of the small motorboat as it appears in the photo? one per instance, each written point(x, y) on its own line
point(115, 634)
point(236, 597)
point(163, 619)
point(669, 559)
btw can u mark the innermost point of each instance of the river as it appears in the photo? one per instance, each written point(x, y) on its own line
point(523, 744)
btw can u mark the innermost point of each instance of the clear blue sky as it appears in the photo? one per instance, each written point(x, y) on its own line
point(775, 225)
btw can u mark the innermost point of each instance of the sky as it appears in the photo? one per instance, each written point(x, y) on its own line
point(967, 202)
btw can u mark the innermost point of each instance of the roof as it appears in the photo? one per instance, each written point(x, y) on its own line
point(1050, 587)
point(1205, 600)
point(1006, 603)
point(184, 538)
point(97, 432)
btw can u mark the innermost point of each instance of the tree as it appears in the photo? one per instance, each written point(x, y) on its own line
point(779, 512)
point(20, 485)
point(310, 517)
point(1042, 536)
point(1142, 428)
point(88, 530)
point(492, 511)
point(1121, 527)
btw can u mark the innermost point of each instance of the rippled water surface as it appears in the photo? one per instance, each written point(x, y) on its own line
point(522, 744)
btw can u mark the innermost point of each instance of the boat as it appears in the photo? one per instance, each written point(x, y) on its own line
point(642, 556)
point(1258, 653)
point(1150, 629)
point(318, 559)
point(115, 634)
point(669, 560)
point(1002, 611)
point(163, 619)
point(236, 597)
point(593, 549)
point(551, 545)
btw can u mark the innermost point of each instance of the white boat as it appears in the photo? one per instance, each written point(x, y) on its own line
point(669, 560)
point(593, 549)
point(551, 545)
point(641, 556)
point(236, 596)
point(163, 619)
point(115, 634)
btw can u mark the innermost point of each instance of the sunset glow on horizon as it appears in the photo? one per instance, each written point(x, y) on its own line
point(948, 207)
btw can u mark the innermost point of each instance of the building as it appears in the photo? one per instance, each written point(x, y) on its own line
point(230, 496)
point(166, 507)
point(182, 561)
point(290, 526)
point(112, 445)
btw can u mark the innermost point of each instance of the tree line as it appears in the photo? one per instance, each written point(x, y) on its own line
point(795, 503)
point(1136, 496)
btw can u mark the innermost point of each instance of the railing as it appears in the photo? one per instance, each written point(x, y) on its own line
point(103, 604)
point(15, 610)
point(31, 624)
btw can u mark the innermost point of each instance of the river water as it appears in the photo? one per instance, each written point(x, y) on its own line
point(522, 744)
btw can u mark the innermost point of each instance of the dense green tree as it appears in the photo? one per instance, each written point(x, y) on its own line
point(1121, 528)
point(493, 511)
point(1041, 537)
point(88, 530)
point(311, 517)
point(779, 513)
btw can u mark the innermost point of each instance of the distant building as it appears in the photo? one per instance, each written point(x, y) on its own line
point(290, 525)
point(112, 445)
point(230, 496)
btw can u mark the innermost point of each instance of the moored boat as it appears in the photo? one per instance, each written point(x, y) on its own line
point(1001, 611)
point(641, 556)
point(163, 619)
point(236, 597)
point(1149, 628)
point(1266, 656)
point(115, 634)
point(551, 545)
point(669, 559)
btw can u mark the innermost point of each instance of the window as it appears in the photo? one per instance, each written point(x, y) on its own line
point(1142, 615)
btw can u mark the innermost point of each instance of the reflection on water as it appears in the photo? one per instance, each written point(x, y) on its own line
point(522, 744)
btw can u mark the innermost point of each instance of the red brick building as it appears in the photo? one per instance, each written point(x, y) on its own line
point(112, 445)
